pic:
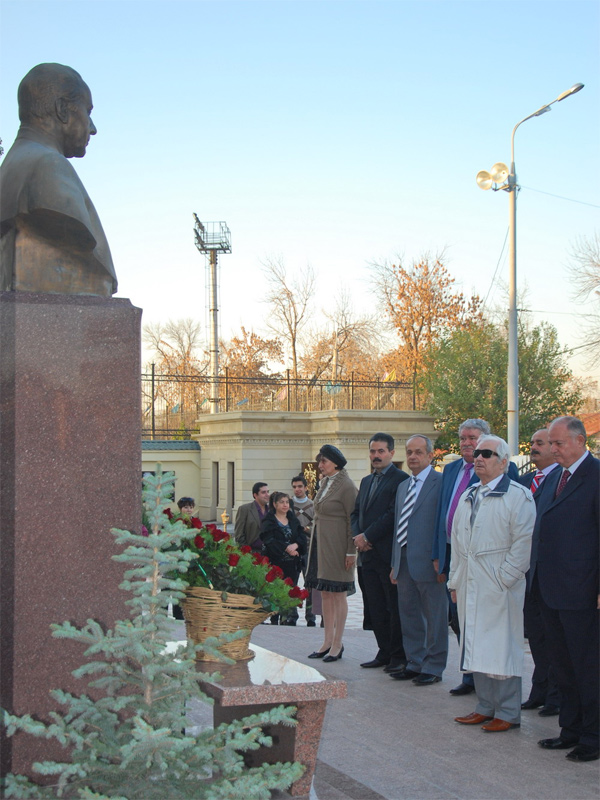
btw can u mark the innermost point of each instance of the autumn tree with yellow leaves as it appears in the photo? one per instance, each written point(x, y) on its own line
point(423, 307)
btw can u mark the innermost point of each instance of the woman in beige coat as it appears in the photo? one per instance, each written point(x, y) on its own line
point(336, 553)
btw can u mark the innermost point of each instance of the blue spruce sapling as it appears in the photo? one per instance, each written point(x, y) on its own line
point(129, 741)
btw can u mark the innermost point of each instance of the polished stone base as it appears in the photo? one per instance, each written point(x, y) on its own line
point(69, 472)
point(265, 682)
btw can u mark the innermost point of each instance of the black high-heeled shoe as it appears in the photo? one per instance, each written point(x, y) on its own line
point(319, 653)
point(330, 658)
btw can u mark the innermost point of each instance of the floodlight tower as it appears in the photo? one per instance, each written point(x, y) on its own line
point(213, 238)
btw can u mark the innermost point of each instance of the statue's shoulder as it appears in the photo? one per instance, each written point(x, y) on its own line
point(35, 176)
point(28, 153)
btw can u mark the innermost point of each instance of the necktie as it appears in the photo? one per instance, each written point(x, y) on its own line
point(459, 490)
point(537, 479)
point(374, 484)
point(563, 481)
point(407, 508)
point(479, 495)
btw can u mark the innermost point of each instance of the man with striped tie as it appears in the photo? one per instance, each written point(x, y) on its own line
point(422, 599)
point(544, 689)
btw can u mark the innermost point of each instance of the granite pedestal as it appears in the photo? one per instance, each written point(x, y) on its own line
point(69, 472)
point(266, 681)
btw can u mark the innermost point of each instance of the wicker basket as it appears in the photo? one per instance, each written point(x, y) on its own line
point(206, 614)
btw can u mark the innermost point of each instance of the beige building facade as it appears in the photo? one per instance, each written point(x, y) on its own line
point(241, 447)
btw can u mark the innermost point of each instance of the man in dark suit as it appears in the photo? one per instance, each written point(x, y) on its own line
point(544, 689)
point(249, 517)
point(422, 599)
point(373, 529)
point(564, 576)
point(457, 477)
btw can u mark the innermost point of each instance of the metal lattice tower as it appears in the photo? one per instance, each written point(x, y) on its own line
point(211, 239)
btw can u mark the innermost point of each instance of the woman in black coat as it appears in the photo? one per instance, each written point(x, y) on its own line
point(284, 541)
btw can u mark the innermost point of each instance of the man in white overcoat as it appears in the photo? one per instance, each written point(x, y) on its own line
point(491, 548)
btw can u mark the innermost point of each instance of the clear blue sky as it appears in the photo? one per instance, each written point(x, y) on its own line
point(329, 133)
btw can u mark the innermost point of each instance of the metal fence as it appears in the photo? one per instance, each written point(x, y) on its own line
point(171, 403)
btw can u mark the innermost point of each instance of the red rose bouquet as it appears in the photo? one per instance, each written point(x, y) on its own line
point(220, 564)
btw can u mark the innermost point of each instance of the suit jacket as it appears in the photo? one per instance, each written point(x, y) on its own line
point(449, 475)
point(421, 530)
point(247, 524)
point(375, 517)
point(527, 479)
point(565, 552)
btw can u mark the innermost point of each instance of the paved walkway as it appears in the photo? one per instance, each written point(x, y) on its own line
point(393, 741)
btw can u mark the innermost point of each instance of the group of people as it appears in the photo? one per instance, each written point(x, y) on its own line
point(511, 550)
point(476, 548)
point(279, 525)
point(286, 529)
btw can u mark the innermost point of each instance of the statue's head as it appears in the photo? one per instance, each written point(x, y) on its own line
point(55, 98)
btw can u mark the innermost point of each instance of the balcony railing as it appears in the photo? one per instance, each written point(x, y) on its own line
point(171, 403)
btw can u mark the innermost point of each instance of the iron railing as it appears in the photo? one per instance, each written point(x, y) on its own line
point(171, 403)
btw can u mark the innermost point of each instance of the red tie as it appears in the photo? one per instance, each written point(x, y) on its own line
point(563, 482)
point(537, 479)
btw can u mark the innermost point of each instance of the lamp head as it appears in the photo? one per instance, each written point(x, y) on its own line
point(484, 180)
point(577, 87)
point(499, 172)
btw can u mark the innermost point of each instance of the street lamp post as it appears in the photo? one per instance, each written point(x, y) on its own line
point(500, 177)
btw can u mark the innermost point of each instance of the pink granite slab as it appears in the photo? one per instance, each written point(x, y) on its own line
point(266, 681)
point(270, 675)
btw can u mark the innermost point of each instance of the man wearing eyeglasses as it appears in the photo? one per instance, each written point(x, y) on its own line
point(491, 548)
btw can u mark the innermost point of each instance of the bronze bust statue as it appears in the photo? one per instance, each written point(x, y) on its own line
point(51, 239)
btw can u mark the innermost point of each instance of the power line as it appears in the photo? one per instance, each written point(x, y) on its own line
point(497, 268)
point(560, 197)
point(546, 311)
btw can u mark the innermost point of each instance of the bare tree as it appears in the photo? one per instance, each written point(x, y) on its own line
point(352, 344)
point(176, 345)
point(289, 301)
point(584, 270)
point(180, 384)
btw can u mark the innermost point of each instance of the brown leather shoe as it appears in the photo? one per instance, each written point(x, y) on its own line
point(498, 725)
point(472, 719)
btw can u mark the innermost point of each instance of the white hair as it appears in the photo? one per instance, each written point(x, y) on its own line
point(502, 448)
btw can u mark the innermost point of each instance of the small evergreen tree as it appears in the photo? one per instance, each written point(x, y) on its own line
point(131, 741)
